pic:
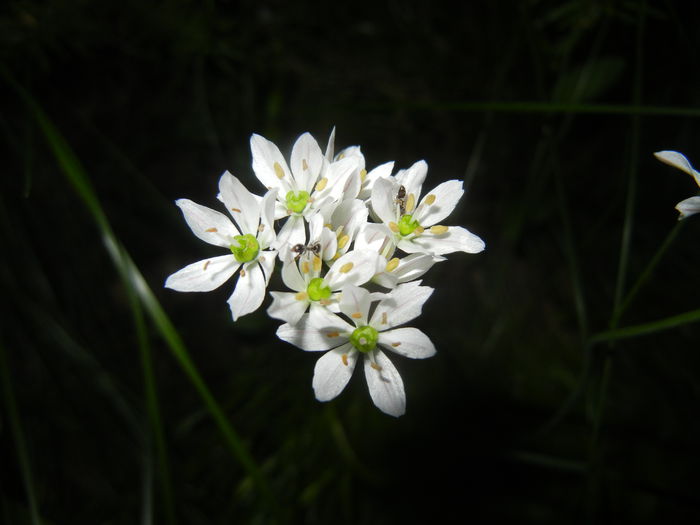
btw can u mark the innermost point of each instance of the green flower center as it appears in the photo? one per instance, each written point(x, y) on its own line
point(407, 225)
point(247, 249)
point(317, 290)
point(297, 200)
point(364, 338)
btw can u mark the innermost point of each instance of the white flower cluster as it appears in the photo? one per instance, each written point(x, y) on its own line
point(691, 205)
point(341, 227)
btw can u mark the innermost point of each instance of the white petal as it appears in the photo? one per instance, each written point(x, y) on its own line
point(355, 267)
point(403, 304)
point(677, 160)
point(286, 307)
point(292, 232)
point(317, 330)
point(375, 237)
point(330, 147)
point(385, 385)
point(408, 342)
point(351, 215)
point(291, 276)
point(203, 276)
point(249, 292)
point(265, 155)
point(240, 203)
point(266, 229)
point(456, 239)
point(383, 200)
point(306, 162)
point(209, 225)
point(410, 268)
point(688, 207)
point(445, 198)
point(333, 371)
point(382, 171)
point(266, 260)
point(412, 179)
point(355, 304)
point(343, 180)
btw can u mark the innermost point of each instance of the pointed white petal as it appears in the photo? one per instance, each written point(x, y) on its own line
point(688, 207)
point(409, 269)
point(408, 342)
point(375, 237)
point(355, 267)
point(677, 160)
point(265, 155)
point(292, 232)
point(412, 179)
point(385, 385)
point(203, 276)
point(351, 215)
point(209, 225)
point(355, 304)
point(249, 292)
point(317, 330)
point(266, 229)
point(286, 307)
point(456, 239)
point(330, 147)
point(403, 304)
point(306, 162)
point(384, 200)
point(266, 260)
point(382, 171)
point(444, 198)
point(292, 278)
point(333, 371)
point(240, 203)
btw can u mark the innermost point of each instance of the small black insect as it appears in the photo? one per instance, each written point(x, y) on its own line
point(299, 249)
point(401, 199)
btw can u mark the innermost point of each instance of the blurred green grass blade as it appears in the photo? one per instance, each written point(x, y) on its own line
point(18, 437)
point(647, 328)
point(132, 277)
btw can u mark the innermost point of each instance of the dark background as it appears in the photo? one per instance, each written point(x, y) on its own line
point(549, 110)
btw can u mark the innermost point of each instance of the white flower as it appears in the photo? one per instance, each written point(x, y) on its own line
point(248, 247)
point(412, 224)
point(690, 206)
point(311, 184)
point(312, 289)
point(322, 330)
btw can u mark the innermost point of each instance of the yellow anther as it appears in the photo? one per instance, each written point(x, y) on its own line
point(384, 321)
point(343, 241)
point(346, 267)
point(356, 315)
point(317, 263)
point(336, 256)
point(325, 302)
point(344, 357)
point(430, 199)
point(242, 272)
point(392, 264)
point(394, 227)
point(206, 264)
point(304, 164)
point(321, 184)
point(395, 344)
point(341, 156)
point(438, 229)
point(419, 230)
point(301, 296)
point(261, 227)
point(236, 210)
point(363, 174)
point(278, 170)
point(376, 367)
point(211, 230)
point(305, 267)
point(410, 202)
point(332, 334)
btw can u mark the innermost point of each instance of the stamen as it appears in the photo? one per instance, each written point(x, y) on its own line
point(343, 241)
point(410, 203)
point(376, 366)
point(419, 230)
point(363, 175)
point(242, 272)
point(301, 296)
point(392, 264)
point(304, 164)
point(211, 230)
point(261, 227)
point(317, 263)
point(395, 344)
point(344, 357)
point(278, 170)
point(438, 229)
point(429, 199)
point(321, 184)
point(325, 302)
point(341, 156)
point(332, 334)
point(339, 231)
point(384, 321)
point(346, 267)
point(236, 210)
point(305, 267)
point(394, 227)
point(206, 264)
point(356, 315)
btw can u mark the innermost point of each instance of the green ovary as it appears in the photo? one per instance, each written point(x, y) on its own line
point(364, 338)
point(247, 248)
point(297, 200)
point(407, 225)
point(317, 290)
